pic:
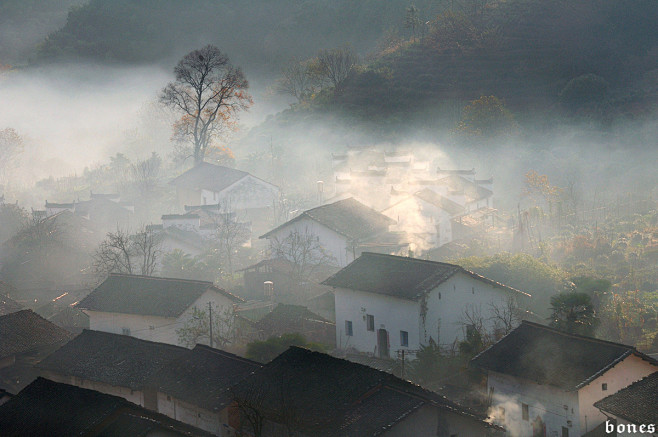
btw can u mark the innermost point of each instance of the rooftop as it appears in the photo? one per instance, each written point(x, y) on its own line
point(49, 408)
point(548, 356)
point(209, 176)
point(333, 397)
point(114, 359)
point(202, 376)
point(403, 277)
point(286, 315)
point(147, 295)
point(635, 403)
point(24, 331)
point(348, 217)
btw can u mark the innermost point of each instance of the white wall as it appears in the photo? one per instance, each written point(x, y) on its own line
point(153, 328)
point(431, 421)
point(544, 401)
point(134, 396)
point(444, 321)
point(622, 375)
point(334, 243)
point(390, 313)
point(190, 414)
point(248, 193)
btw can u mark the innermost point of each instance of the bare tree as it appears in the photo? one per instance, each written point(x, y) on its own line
point(335, 66)
point(122, 252)
point(230, 233)
point(297, 80)
point(304, 251)
point(208, 91)
point(505, 316)
point(146, 173)
point(197, 328)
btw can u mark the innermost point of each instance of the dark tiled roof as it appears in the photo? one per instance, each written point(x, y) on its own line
point(114, 359)
point(147, 295)
point(348, 217)
point(637, 403)
point(25, 330)
point(184, 236)
point(209, 176)
point(398, 276)
point(333, 397)
point(276, 264)
point(47, 408)
point(548, 356)
point(8, 305)
point(202, 377)
point(439, 201)
point(471, 189)
point(286, 315)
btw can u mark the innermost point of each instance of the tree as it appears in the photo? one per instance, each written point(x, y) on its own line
point(146, 173)
point(305, 253)
point(122, 252)
point(196, 329)
point(297, 80)
point(335, 66)
point(412, 20)
point(573, 312)
point(505, 316)
point(230, 233)
point(12, 219)
point(486, 116)
point(208, 91)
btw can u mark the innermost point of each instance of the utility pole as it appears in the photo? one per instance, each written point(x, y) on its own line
point(210, 316)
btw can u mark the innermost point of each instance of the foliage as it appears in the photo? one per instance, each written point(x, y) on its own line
point(433, 365)
point(573, 312)
point(265, 351)
point(12, 219)
point(196, 329)
point(208, 91)
point(334, 66)
point(298, 79)
point(628, 317)
point(486, 116)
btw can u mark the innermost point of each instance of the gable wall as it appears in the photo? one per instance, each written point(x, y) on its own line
point(134, 396)
point(431, 421)
point(445, 314)
point(190, 414)
point(153, 328)
point(630, 370)
point(247, 193)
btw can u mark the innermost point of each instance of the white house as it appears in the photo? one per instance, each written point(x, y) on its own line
point(388, 303)
point(632, 410)
point(342, 228)
point(151, 308)
point(546, 382)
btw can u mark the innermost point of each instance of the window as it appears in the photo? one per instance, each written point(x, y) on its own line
point(604, 386)
point(404, 338)
point(348, 328)
point(370, 322)
point(125, 331)
point(524, 412)
point(565, 431)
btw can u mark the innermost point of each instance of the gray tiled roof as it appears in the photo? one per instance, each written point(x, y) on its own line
point(25, 330)
point(114, 359)
point(147, 295)
point(209, 176)
point(637, 403)
point(552, 357)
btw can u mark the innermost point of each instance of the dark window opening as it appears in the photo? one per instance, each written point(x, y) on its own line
point(370, 322)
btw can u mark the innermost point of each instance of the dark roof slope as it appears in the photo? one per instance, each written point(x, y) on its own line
point(25, 330)
point(287, 314)
point(47, 408)
point(202, 377)
point(637, 403)
point(209, 176)
point(548, 356)
point(348, 217)
point(327, 396)
point(147, 295)
point(114, 359)
point(399, 276)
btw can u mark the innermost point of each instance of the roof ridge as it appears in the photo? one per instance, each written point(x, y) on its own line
point(226, 354)
point(582, 337)
point(162, 278)
point(129, 338)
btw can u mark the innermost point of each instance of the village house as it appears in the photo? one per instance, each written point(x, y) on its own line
point(47, 408)
point(118, 365)
point(343, 229)
point(194, 387)
point(106, 211)
point(253, 199)
point(632, 410)
point(151, 308)
point(286, 319)
point(25, 339)
point(546, 382)
point(313, 394)
point(386, 303)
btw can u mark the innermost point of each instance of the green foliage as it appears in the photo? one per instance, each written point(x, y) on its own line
point(521, 271)
point(573, 312)
point(472, 344)
point(432, 365)
point(265, 351)
point(486, 116)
